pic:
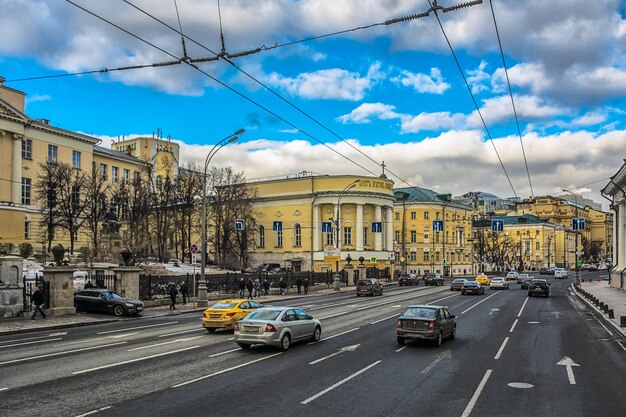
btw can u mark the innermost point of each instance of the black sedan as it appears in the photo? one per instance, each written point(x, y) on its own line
point(472, 287)
point(425, 322)
point(102, 300)
point(408, 279)
point(433, 279)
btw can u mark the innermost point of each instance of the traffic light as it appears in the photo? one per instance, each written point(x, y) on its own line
point(443, 263)
point(580, 262)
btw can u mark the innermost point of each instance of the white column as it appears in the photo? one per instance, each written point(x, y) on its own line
point(338, 231)
point(316, 228)
point(621, 235)
point(389, 229)
point(16, 171)
point(378, 237)
point(359, 227)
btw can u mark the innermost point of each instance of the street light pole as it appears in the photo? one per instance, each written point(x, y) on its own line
point(577, 232)
point(336, 278)
point(201, 299)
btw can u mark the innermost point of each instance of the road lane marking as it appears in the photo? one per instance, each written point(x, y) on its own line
point(444, 355)
point(506, 340)
point(441, 299)
point(224, 352)
point(25, 338)
point(335, 335)
point(111, 365)
point(334, 315)
point(95, 411)
point(620, 345)
point(343, 381)
point(513, 326)
point(351, 348)
point(187, 339)
point(568, 363)
point(97, 339)
point(225, 370)
point(605, 328)
point(31, 342)
point(479, 390)
point(481, 301)
point(139, 327)
point(182, 332)
point(47, 355)
point(401, 349)
point(3, 389)
point(522, 309)
point(386, 318)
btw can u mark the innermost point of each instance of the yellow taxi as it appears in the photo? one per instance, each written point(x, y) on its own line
point(483, 279)
point(225, 313)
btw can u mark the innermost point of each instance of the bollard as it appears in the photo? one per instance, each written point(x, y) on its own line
point(622, 321)
point(611, 314)
point(605, 308)
point(598, 280)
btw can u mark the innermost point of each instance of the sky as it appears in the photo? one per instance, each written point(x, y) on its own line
point(341, 104)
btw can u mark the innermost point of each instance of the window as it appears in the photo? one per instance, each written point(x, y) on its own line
point(397, 238)
point(537, 245)
point(329, 238)
point(425, 215)
point(126, 176)
point(137, 177)
point(413, 236)
point(26, 230)
point(437, 256)
point(426, 256)
point(413, 215)
point(53, 153)
point(103, 171)
point(279, 238)
point(347, 235)
point(75, 197)
point(261, 236)
point(115, 174)
point(397, 216)
point(437, 237)
point(27, 149)
point(413, 256)
point(297, 235)
point(159, 182)
point(75, 159)
point(437, 216)
point(26, 188)
point(365, 237)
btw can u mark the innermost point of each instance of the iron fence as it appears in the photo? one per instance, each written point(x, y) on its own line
point(29, 289)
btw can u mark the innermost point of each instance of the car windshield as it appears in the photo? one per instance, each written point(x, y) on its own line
point(111, 295)
point(497, 279)
point(264, 314)
point(364, 283)
point(458, 281)
point(420, 312)
point(471, 283)
point(224, 306)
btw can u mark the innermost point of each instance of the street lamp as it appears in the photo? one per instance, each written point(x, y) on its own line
point(336, 280)
point(201, 300)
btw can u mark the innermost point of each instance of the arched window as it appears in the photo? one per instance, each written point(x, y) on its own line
point(297, 235)
point(261, 236)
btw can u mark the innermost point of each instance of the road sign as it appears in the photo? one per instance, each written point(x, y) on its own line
point(373, 259)
point(240, 224)
point(193, 248)
point(497, 225)
point(327, 227)
point(377, 227)
point(402, 259)
point(332, 255)
point(437, 225)
point(578, 223)
point(579, 248)
point(277, 226)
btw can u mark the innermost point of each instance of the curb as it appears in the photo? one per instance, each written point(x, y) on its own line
point(599, 312)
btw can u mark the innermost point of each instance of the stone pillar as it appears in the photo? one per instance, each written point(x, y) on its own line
point(378, 237)
point(127, 281)
point(359, 227)
point(11, 286)
point(316, 228)
point(389, 229)
point(61, 290)
point(362, 270)
point(16, 170)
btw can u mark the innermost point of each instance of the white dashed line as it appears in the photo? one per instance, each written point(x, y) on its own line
point(95, 411)
point(335, 335)
point(506, 339)
point(401, 349)
point(139, 327)
point(479, 390)
point(343, 381)
point(481, 301)
point(47, 355)
point(513, 326)
point(522, 309)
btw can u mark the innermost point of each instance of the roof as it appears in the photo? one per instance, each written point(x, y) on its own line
point(116, 154)
point(526, 219)
point(419, 194)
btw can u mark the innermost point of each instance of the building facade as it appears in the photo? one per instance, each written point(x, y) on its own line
point(615, 190)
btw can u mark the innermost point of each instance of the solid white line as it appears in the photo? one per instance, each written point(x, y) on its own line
point(96, 339)
point(513, 326)
point(386, 318)
point(343, 381)
point(479, 390)
point(431, 365)
point(31, 342)
point(401, 349)
point(163, 343)
point(326, 357)
point(224, 353)
point(95, 411)
point(481, 301)
point(25, 338)
point(182, 332)
point(225, 370)
point(139, 327)
point(47, 355)
point(334, 315)
point(605, 328)
point(523, 305)
point(621, 345)
point(506, 340)
point(111, 365)
point(3, 389)
point(335, 335)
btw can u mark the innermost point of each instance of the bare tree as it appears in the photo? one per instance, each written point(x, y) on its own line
point(45, 191)
point(96, 195)
point(188, 187)
point(133, 202)
point(496, 248)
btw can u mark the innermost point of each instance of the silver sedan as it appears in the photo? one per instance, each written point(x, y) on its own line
point(277, 326)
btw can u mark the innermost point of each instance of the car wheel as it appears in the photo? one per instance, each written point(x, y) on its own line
point(285, 342)
point(210, 329)
point(76, 306)
point(439, 340)
point(358, 295)
point(118, 310)
point(530, 295)
point(244, 346)
point(400, 340)
point(317, 334)
point(453, 334)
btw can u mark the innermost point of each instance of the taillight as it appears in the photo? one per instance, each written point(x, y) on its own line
point(205, 315)
point(236, 327)
point(399, 324)
point(229, 315)
point(270, 328)
point(431, 325)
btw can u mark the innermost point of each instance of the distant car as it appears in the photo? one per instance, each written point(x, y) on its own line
point(522, 277)
point(543, 271)
point(368, 286)
point(277, 326)
point(425, 322)
point(593, 267)
point(433, 279)
point(457, 284)
point(539, 286)
point(511, 275)
point(482, 279)
point(408, 279)
point(498, 283)
point(472, 287)
point(560, 273)
point(525, 283)
point(225, 313)
point(551, 270)
point(102, 300)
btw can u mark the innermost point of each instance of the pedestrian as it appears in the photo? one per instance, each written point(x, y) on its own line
point(299, 285)
point(282, 285)
point(266, 286)
point(184, 290)
point(257, 288)
point(173, 294)
point(306, 285)
point(88, 284)
point(250, 287)
point(37, 300)
point(242, 288)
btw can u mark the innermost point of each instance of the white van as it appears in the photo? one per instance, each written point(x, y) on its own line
point(560, 273)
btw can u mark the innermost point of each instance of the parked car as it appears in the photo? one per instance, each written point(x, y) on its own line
point(225, 313)
point(511, 275)
point(433, 279)
point(408, 279)
point(368, 286)
point(539, 286)
point(268, 267)
point(277, 326)
point(102, 300)
point(524, 284)
point(498, 283)
point(457, 284)
point(472, 287)
point(425, 322)
point(560, 273)
point(482, 279)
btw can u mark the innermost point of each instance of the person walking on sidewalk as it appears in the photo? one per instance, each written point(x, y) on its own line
point(242, 288)
point(299, 285)
point(250, 287)
point(184, 290)
point(266, 286)
point(306, 286)
point(282, 285)
point(173, 294)
point(257, 288)
point(37, 300)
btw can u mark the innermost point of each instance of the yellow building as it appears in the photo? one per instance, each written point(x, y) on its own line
point(418, 247)
point(162, 155)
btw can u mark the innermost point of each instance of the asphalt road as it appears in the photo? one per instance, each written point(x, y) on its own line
point(513, 355)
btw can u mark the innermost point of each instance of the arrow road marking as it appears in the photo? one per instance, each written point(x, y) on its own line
point(557, 314)
point(350, 348)
point(343, 381)
point(493, 310)
point(568, 363)
point(444, 355)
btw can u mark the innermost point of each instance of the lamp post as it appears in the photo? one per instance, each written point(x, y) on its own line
point(201, 300)
point(336, 278)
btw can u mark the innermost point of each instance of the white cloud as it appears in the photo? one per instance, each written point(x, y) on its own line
point(432, 121)
point(38, 97)
point(478, 78)
point(423, 83)
point(366, 111)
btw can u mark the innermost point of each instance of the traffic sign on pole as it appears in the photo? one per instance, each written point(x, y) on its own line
point(193, 248)
point(578, 223)
point(377, 227)
point(437, 225)
point(497, 225)
point(240, 224)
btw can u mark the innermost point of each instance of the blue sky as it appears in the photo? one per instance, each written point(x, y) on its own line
point(392, 92)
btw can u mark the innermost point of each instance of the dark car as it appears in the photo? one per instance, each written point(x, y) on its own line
point(525, 283)
point(425, 322)
point(472, 287)
point(543, 271)
point(433, 279)
point(457, 284)
point(368, 286)
point(539, 286)
point(408, 279)
point(102, 300)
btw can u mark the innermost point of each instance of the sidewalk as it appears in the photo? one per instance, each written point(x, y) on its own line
point(614, 298)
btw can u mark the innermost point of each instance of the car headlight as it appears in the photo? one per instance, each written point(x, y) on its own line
point(129, 304)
